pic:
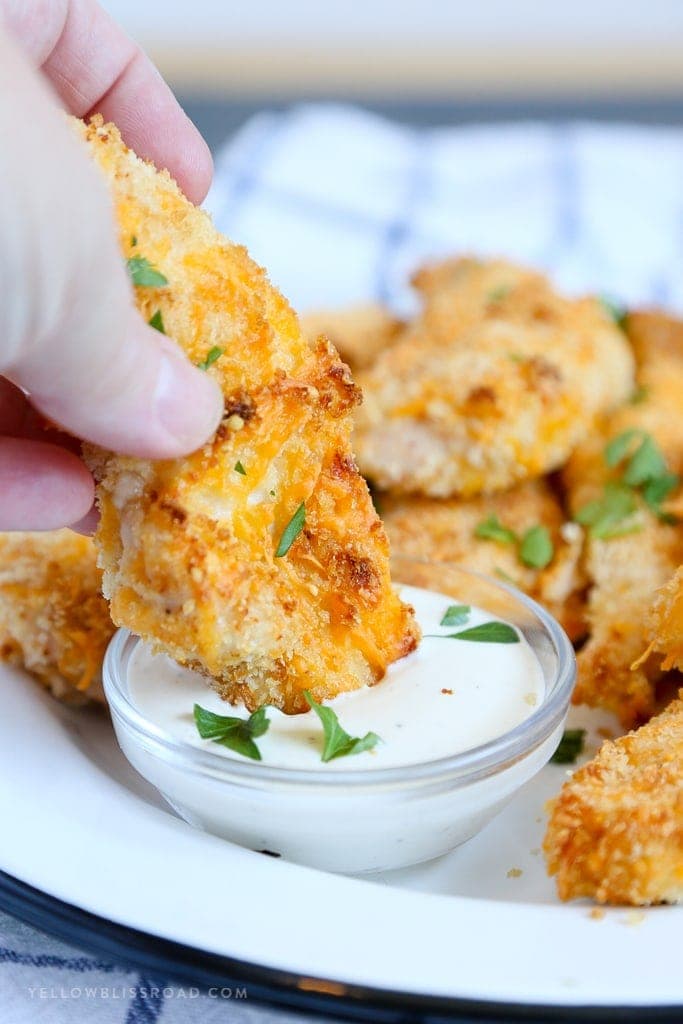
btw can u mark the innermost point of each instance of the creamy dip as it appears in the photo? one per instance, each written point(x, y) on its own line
point(448, 696)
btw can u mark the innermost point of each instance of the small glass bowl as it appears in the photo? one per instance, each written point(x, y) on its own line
point(363, 820)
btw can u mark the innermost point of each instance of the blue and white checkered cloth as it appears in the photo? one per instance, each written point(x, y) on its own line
point(341, 206)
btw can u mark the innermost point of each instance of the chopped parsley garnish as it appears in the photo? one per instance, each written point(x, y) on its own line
point(640, 394)
point(338, 743)
point(484, 633)
point(570, 747)
point(615, 311)
point(239, 468)
point(501, 574)
point(143, 274)
point(645, 474)
point(157, 322)
point(291, 531)
point(456, 615)
point(236, 734)
point(492, 529)
point(133, 241)
point(212, 355)
point(536, 549)
point(608, 515)
point(499, 293)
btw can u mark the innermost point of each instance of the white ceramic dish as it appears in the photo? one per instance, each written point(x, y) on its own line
point(113, 868)
point(358, 820)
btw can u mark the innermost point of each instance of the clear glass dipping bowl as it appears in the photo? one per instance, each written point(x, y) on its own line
point(358, 820)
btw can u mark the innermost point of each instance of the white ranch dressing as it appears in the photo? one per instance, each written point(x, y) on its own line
point(445, 698)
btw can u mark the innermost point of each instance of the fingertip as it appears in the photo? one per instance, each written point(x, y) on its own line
point(44, 487)
point(195, 166)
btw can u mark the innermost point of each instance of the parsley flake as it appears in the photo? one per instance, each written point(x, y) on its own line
point(499, 293)
point(239, 468)
point(291, 531)
point(640, 394)
point(456, 615)
point(212, 355)
point(536, 549)
point(570, 747)
point(338, 742)
point(492, 529)
point(157, 322)
point(143, 274)
point(485, 632)
point(236, 734)
point(608, 515)
point(615, 311)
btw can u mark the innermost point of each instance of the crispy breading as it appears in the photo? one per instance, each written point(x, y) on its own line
point(54, 621)
point(189, 546)
point(625, 572)
point(444, 531)
point(358, 333)
point(616, 829)
point(496, 382)
point(665, 623)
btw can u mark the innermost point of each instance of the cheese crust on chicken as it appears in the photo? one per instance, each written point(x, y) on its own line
point(616, 829)
point(358, 333)
point(54, 621)
point(445, 531)
point(665, 626)
point(496, 382)
point(625, 572)
point(259, 560)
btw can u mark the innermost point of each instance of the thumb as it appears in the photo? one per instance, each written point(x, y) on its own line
point(69, 333)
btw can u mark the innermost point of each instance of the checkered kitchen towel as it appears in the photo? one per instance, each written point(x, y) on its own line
point(341, 206)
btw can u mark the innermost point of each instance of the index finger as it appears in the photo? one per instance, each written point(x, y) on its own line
point(94, 67)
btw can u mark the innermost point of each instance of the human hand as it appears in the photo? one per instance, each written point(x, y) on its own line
point(73, 348)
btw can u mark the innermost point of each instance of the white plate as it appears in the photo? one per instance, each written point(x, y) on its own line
point(81, 826)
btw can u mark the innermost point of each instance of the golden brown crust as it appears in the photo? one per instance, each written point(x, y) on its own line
point(358, 333)
point(444, 531)
point(616, 829)
point(626, 572)
point(188, 547)
point(665, 623)
point(496, 382)
point(54, 621)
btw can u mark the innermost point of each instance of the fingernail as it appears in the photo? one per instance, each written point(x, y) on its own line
point(188, 401)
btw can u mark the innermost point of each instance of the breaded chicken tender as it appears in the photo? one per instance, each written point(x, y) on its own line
point(54, 621)
point(259, 560)
point(445, 531)
point(625, 572)
point(665, 624)
point(616, 829)
point(496, 382)
point(358, 333)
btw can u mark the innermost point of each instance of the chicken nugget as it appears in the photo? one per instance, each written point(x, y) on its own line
point(358, 333)
point(616, 829)
point(486, 534)
point(633, 547)
point(54, 621)
point(259, 560)
point(496, 382)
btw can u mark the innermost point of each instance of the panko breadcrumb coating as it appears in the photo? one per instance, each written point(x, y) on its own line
point(54, 621)
point(496, 382)
point(625, 572)
point(665, 624)
point(616, 829)
point(208, 557)
point(444, 531)
point(358, 333)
